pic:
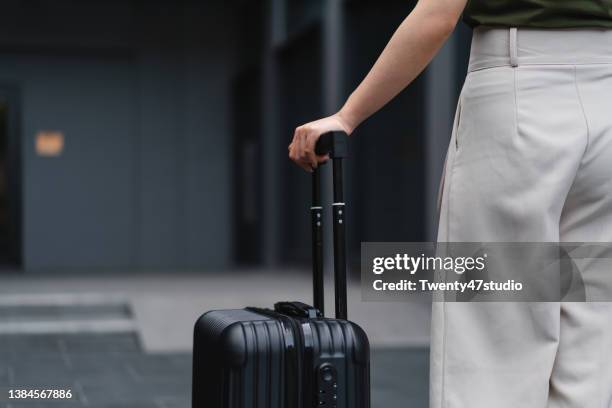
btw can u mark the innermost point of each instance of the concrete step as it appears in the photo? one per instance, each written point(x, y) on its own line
point(65, 313)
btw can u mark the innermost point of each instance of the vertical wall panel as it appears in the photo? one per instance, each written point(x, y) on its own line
point(78, 207)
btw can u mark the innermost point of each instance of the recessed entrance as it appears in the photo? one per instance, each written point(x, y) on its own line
point(10, 178)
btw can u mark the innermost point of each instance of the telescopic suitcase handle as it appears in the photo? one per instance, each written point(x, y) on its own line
point(336, 145)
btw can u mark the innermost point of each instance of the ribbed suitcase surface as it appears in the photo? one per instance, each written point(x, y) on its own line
point(244, 359)
point(239, 360)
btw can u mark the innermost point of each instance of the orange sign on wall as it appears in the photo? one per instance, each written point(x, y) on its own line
point(49, 143)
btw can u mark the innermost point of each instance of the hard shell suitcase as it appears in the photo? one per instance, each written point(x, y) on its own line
point(292, 356)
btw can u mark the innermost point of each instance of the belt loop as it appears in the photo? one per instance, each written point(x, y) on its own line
point(513, 47)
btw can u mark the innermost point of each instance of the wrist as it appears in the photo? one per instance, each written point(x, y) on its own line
point(347, 120)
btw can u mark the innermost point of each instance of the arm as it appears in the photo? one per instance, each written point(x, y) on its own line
point(410, 49)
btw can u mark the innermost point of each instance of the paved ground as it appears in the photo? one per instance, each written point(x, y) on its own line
point(112, 371)
point(124, 340)
point(100, 370)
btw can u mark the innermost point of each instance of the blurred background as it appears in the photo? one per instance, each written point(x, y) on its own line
point(144, 179)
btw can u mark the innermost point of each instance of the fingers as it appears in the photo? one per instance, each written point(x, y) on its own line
point(309, 151)
point(294, 151)
point(297, 150)
point(307, 141)
point(302, 149)
point(313, 159)
point(301, 143)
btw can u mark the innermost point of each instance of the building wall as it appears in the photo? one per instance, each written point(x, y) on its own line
point(143, 180)
point(78, 208)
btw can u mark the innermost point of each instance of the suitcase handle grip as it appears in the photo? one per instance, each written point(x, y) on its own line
point(333, 143)
point(336, 145)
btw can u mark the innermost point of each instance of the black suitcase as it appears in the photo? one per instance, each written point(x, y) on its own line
point(292, 356)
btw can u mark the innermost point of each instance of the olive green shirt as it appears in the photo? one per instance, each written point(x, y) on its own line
point(539, 13)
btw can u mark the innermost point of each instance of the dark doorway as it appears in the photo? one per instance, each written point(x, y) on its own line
point(10, 177)
point(247, 183)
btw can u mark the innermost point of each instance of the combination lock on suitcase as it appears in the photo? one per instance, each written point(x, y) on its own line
point(291, 356)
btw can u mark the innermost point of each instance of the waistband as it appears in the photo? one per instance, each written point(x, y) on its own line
point(496, 47)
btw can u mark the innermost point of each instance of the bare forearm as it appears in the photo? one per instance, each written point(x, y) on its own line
point(411, 48)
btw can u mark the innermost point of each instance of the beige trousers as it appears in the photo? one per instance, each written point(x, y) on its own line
point(530, 159)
